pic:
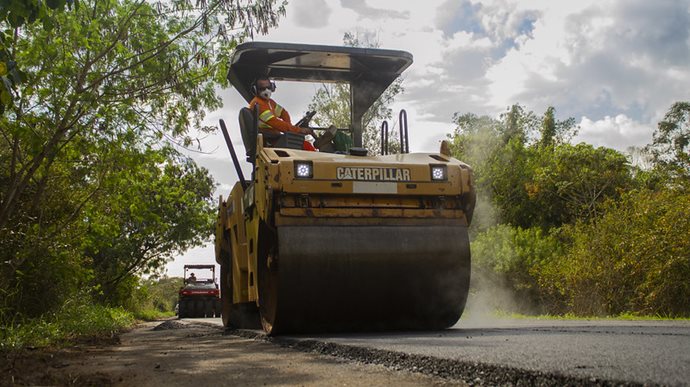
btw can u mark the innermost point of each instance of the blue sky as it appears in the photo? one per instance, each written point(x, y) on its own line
point(615, 66)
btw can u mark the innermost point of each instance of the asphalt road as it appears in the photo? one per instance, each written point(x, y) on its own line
point(652, 352)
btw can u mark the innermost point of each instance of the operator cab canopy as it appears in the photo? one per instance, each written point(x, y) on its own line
point(369, 71)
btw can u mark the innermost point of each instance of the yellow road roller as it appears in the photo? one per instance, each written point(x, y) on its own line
point(343, 241)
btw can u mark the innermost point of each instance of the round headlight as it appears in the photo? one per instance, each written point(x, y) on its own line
point(438, 172)
point(303, 169)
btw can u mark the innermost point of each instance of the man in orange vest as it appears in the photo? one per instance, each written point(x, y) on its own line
point(274, 118)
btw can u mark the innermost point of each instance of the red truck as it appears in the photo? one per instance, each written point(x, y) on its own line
point(199, 296)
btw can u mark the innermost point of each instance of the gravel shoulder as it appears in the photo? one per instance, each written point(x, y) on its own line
point(175, 353)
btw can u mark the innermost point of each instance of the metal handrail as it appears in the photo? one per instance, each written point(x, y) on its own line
point(404, 140)
point(384, 137)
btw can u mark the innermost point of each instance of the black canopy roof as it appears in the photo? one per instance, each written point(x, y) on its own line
point(369, 71)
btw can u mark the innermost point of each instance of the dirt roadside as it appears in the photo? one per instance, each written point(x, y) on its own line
point(177, 354)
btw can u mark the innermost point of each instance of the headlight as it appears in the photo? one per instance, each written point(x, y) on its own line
point(304, 170)
point(439, 173)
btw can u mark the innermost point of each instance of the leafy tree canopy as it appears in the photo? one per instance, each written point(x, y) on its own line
point(527, 170)
point(111, 66)
point(670, 147)
point(88, 176)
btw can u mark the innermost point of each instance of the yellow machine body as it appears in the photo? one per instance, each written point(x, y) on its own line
point(335, 242)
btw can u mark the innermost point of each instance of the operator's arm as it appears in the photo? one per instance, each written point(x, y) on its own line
point(267, 118)
point(285, 116)
point(281, 125)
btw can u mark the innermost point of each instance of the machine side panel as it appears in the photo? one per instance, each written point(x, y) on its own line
point(236, 228)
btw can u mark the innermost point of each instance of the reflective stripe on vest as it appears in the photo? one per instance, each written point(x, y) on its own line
point(278, 110)
point(266, 115)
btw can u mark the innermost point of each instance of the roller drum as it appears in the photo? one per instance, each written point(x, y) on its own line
point(364, 278)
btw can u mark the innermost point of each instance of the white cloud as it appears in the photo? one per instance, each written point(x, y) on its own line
point(311, 13)
point(365, 11)
point(610, 58)
point(619, 132)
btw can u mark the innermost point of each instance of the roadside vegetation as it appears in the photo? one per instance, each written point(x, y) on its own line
point(574, 230)
point(80, 318)
point(97, 101)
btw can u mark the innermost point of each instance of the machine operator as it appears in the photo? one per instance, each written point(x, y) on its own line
point(274, 118)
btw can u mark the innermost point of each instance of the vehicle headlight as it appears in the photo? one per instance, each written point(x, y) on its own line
point(304, 170)
point(439, 173)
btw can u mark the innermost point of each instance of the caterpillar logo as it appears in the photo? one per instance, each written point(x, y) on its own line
point(372, 174)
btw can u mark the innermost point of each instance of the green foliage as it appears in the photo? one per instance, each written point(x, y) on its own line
point(92, 194)
point(195, 34)
point(506, 157)
point(634, 258)
point(570, 182)
point(572, 316)
point(548, 127)
point(555, 132)
point(113, 67)
point(670, 147)
point(155, 298)
point(19, 12)
point(14, 14)
point(576, 229)
point(77, 317)
point(165, 206)
point(510, 258)
point(332, 105)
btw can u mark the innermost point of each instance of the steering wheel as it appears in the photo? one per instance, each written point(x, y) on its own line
point(304, 121)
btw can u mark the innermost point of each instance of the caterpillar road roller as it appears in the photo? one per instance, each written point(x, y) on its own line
point(343, 241)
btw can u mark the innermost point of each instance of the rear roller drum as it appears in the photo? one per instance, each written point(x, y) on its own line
point(234, 316)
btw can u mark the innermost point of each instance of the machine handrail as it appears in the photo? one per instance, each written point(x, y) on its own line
point(404, 140)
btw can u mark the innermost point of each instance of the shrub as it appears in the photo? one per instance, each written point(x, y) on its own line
point(507, 261)
point(635, 258)
point(77, 317)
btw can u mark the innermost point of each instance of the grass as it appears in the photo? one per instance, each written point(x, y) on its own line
point(152, 314)
point(73, 321)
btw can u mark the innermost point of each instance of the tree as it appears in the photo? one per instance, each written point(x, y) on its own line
point(507, 160)
point(572, 181)
point(105, 84)
point(519, 124)
point(332, 105)
point(554, 131)
point(166, 207)
point(15, 13)
point(475, 140)
point(496, 149)
point(670, 146)
point(548, 127)
point(113, 65)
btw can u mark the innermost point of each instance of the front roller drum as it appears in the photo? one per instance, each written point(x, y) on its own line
point(364, 279)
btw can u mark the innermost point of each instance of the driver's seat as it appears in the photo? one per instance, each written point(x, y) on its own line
point(248, 128)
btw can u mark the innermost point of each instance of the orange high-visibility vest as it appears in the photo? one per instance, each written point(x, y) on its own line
point(272, 116)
